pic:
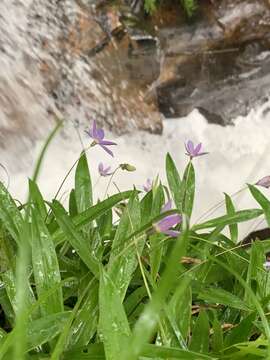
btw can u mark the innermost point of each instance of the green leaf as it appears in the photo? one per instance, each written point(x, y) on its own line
point(200, 334)
point(104, 223)
point(9, 282)
point(262, 200)
point(6, 305)
point(9, 214)
point(242, 332)
point(146, 207)
point(179, 312)
point(45, 266)
point(237, 217)
point(114, 325)
point(85, 323)
point(74, 238)
point(22, 291)
point(174, 181)
point(158, 201)
point(188, 190)
point(83, 185)
point(156, 251)
point(37, 199)
point(45, 329)
point(90, 352)
point(256, 273)
point(150, 6)
point(162, 352)
point(217, 337)
point(93, 213)
point(221, 296)
point(134, 299)
point(230, 211)
point(251, 294)
point(72, 205)
point(96, 352)
point(189, 6)
point(147, 322)
point(121, 268)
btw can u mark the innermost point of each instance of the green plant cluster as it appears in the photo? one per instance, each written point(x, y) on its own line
point(188, 5)
point(80, 283)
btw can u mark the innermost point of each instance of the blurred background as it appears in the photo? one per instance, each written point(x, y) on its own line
point(153, 81)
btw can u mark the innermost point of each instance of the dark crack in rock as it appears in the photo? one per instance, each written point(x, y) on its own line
point(219, 64)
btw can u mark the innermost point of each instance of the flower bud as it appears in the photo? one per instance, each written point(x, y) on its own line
point(264, 182)
point(127, 167)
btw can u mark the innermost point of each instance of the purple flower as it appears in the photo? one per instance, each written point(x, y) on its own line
point(264, 182)
point(194, 151)
point(266, 265)
point(104, 171)
point(98, 136)
point(148, 186)
point(165, 225)
point(167, 206)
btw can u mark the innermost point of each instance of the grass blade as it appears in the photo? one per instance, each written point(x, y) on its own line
point(174, 181)
point(45, 266)
point(230, 211)
point(75, 239)
point(93, 213)
point(262, 200)
point(113, 321)
point(149, 318)
point(10, 215)
point(237, 217)
point(83, 185)
point(200, 334)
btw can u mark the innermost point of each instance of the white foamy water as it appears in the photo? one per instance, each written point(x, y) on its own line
point(237, 155)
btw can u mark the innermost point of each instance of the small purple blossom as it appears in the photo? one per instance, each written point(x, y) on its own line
point(104, 171)
point(148, 186)
point(98, 136)
point(165, 225)
point(266, 265)
point(264, 182)
point(194, 151)
point(167, 206)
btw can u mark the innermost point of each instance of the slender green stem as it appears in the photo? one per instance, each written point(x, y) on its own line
point(110, 181)
point(217, 206)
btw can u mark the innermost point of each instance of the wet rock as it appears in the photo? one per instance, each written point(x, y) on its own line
point(72, 60)
point(216, 63)
point(93, 69)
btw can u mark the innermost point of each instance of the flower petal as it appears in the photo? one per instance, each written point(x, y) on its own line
point(169, 221)
point(197, 149)
point(266, 265)
point(100, 134)
point(167, 206)
point(172, 233)
point(100, 167)
point(148, 186)
point(106, 149)
point(264, 182)
point(202, 153)
point(107, 169)
point(106, 142)
point(94, 129)
point(190, 147)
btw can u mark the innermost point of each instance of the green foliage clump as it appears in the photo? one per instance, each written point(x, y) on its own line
point(188, 5)
point(96, 280)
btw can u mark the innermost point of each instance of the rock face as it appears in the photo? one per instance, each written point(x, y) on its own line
point(219, 64)
point(85, 59)
point(69, 59)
